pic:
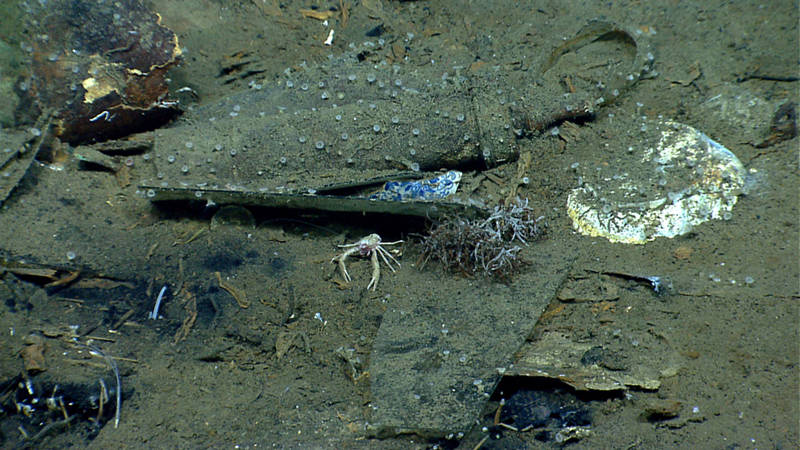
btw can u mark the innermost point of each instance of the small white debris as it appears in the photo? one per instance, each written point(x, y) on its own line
point(329, 40)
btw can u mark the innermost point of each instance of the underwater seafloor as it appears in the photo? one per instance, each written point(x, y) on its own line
point(260, 342)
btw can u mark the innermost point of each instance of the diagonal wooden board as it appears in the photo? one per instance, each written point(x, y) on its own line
point(444, 342)
point(18, 148)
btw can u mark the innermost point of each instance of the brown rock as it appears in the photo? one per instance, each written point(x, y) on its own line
point(33, 358)
point(661, 409)
point(683, 252)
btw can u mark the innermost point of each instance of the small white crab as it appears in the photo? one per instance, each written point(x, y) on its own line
point(368, 246)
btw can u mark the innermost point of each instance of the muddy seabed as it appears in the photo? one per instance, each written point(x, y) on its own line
point(289, 364)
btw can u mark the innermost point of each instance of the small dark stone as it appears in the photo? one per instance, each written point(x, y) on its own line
point(658, 410)
point(541, 409)
point(592, 356)
point(377, 31)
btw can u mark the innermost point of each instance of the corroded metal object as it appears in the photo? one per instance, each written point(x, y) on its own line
point(352, 118)
point(102, 67)
point(610, 59)
point(318, 202)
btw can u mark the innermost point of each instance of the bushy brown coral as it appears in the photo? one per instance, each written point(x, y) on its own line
point(489, 246)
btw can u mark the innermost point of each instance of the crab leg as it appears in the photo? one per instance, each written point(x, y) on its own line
point(384, 254)
point(376, 271)
point(340, 259)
